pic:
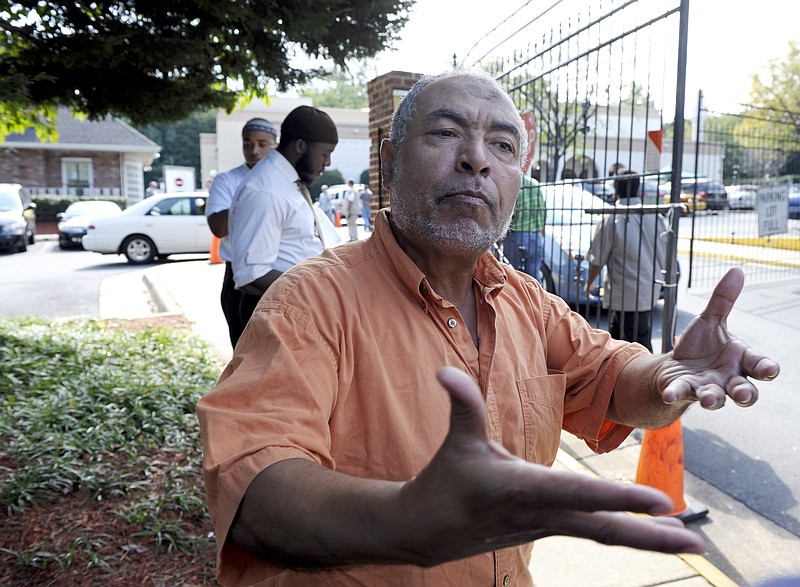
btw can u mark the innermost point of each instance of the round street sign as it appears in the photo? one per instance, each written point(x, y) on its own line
point(178, 181)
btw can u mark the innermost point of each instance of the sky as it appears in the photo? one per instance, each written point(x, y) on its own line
point(729, 40)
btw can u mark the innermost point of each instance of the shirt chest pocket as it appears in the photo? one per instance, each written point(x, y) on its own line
point(542, 401)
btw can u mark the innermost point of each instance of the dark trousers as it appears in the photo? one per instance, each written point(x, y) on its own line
point(236, 306)
point(631, 326)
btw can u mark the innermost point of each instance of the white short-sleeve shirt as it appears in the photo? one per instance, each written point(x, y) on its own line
point(270, 224)
point(220, 196)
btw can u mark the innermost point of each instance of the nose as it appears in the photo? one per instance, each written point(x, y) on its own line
point(474, 158)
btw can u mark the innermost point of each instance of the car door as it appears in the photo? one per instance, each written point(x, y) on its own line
point(203, 234)
point(172, 224)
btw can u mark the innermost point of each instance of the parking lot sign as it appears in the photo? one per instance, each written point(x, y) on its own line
point(772, 204)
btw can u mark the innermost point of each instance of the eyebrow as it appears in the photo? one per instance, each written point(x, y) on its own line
point(460, 119)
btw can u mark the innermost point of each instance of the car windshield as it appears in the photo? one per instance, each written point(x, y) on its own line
point(9, 202)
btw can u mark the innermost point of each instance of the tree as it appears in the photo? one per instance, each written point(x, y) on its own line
point(152, 61)
point(563, 124)
point(179, 144)
point(777, 97)
point(342, 90)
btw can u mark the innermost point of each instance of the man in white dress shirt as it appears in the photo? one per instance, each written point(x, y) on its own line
point(259, 136)
point(271, 224)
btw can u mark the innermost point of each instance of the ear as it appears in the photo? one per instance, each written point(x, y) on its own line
point(294, 150)
point(300, 146)
point(388, 158)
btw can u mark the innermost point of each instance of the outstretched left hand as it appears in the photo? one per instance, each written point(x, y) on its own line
point(708, 362)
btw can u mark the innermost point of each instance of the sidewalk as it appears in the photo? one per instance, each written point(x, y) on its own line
point(733, 532)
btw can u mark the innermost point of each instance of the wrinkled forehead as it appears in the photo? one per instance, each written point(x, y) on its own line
point(474, 97)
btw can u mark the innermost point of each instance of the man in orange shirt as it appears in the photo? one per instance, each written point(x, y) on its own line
point(332, 455)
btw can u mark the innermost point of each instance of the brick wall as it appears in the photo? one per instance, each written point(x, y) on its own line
point(41, 168)
point(23, 166)
point(381, 94)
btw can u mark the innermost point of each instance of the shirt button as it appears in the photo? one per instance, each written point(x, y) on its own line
point(452, 323)
point(506, 579)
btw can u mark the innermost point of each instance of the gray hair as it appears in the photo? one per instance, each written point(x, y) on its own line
point(402, 116)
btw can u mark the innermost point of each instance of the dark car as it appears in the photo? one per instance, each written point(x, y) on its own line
point(794, 202)
point(707, 191)
point(73, 223)
point(17, 220)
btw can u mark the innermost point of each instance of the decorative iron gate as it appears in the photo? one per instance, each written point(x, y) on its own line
point(601, 83)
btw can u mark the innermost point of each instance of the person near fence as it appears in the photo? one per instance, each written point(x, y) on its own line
point(366, 207)
point(351, 209)
point(632, 245)
point(524, 244)
point(258, 139)
point(272, 224)
point(325, 203)
point(331, 455)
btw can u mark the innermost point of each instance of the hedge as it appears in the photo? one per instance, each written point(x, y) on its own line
point(48, 206)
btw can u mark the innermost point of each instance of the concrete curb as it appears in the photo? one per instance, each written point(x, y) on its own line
point(161, 296)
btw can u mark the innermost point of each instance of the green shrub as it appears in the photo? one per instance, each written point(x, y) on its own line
point(48, 206)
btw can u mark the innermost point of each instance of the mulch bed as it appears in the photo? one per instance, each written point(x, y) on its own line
point(76, 540)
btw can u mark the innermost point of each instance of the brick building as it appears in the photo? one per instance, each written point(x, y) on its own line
point(91, 158)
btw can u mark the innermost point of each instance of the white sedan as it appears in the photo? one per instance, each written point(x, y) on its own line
point(159, 226)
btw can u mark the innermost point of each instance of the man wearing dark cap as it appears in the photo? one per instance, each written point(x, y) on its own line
point(259, 136)
point(272, 224)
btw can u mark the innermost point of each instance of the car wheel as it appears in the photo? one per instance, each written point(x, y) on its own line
point(22, 245)
point(139, 250)
point(547, 279)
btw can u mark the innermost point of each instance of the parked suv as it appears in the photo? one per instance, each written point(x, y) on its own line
point(711, 192)
point(17, 221)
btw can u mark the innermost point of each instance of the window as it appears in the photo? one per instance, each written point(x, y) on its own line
point(172, 207)
point(76, 175)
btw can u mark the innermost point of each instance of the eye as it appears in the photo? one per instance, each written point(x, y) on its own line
point(506, 146)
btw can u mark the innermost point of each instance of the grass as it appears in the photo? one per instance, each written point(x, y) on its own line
point(106, 412)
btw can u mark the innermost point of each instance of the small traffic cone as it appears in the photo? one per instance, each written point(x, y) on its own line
point(661, 466)
point(338, 218)
point(214, 258)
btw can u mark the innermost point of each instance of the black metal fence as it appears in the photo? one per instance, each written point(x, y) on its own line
point(760, 153)
point(601, 86)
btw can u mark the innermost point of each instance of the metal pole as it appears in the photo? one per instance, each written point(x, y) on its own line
point(670, 282)
point(671, 288)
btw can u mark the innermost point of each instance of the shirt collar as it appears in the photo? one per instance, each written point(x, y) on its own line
point(489, 273)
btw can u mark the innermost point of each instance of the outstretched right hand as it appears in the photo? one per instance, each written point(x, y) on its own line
point(474, 497)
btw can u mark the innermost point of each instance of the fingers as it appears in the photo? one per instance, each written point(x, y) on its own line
point(725, 295)
point(657, 534)
point(758, 366)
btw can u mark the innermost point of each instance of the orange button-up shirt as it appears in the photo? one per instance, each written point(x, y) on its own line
point(338, 365)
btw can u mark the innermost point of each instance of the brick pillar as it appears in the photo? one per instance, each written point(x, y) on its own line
point(384, 93)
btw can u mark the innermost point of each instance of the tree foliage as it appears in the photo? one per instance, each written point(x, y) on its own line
point(152, 61)
point(777, 94)
point(342, 90)
point(179, 144)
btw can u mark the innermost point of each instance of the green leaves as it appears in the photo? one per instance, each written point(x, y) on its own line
point(149, 61)
point(84, 406)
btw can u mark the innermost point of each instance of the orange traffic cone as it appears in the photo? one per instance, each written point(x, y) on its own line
point(661, 466)
point(338, 218)
point(214, 257)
